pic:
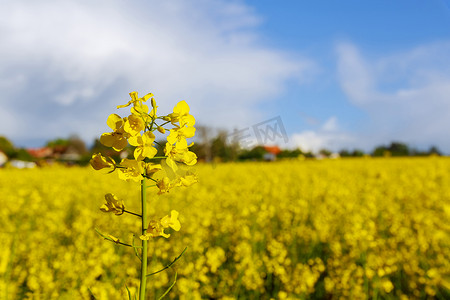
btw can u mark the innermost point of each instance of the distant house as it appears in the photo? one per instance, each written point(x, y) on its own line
point(60, 152)
point(271, 153)
point(70, 154)
point(20, 164)
point(3, 158)
point(333, 155)
point(43, 152)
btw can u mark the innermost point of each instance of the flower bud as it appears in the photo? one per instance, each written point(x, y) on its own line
point(162, 130)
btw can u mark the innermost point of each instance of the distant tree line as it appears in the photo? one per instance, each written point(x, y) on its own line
point(220, 148)
point(208, 147)
point(12, 152)
point(401, 149)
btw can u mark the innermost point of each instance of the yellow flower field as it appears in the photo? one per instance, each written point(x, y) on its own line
point(332, 229)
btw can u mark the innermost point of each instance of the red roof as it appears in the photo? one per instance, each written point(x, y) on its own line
point(40, 152)
point(272, 149)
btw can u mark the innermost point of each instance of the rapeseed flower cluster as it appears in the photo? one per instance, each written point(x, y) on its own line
point(332, 229)
point(137, 130)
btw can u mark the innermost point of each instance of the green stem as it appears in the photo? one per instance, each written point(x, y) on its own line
point(132, 213)
point(165, 123)
point(169, 265)
point(145, 176)
point(144, 242)
point(111, 240)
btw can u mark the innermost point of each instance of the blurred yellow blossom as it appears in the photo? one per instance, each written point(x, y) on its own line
point(325, 231)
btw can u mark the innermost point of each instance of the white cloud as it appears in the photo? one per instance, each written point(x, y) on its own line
point(69, 63)
point(331, 124)
point(328, 135)
point(353, 73)
point(406, 94)
point(314, 141)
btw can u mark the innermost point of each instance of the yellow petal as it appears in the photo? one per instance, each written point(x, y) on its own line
point(119, 144)
point(144, 237)
point(135, 140)
point(148, 138)
point(139, 109)
point(181, 108)
point(146, 97)
point(134, 96)
point(114, 121)
point(181, 145)
point(188, 132)
point(188, 120)
point(171, 164)
point(149, 152)
point(173, 136)
point(138, 153)
point(175, 224)
point(107, 139)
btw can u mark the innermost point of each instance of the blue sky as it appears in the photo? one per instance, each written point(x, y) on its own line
point(339, 74)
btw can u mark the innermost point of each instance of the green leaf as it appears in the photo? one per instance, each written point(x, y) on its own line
point(169, 265)
point(129, 293)
point(92, 297)
point(170, 287)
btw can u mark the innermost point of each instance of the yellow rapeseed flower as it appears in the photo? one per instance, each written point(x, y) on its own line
point(181, 114)
point(118, 138)
point(156, 228)
point(99, 162)
point(134, 125)
point(188, 180)
point(143, 145)
point(178, 134)
point(113, 204)
point(164, 185)
point(180, 153)
point(151, 169)
point(132, 170)
point(171, 221)
point(135, 100)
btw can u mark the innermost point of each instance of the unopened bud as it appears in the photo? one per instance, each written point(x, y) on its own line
point(162, 130)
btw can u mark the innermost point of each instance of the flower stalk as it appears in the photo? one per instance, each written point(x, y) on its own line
point(143, 283)
point(161, 173)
